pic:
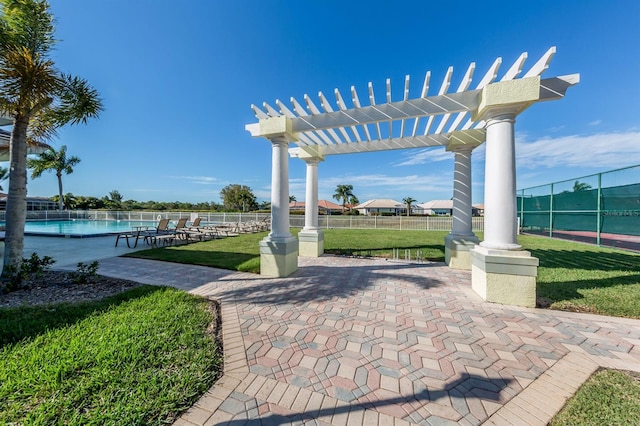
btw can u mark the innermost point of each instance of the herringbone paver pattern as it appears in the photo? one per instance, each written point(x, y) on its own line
point(358, 341)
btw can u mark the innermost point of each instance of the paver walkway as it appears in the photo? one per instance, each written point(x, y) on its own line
point(349, 341)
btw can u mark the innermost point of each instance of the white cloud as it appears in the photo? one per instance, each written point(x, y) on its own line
point(369, 186)
point(372, 186)
point(424, 156)
point(202, 180)
point(262, 194)
point(604, 150)
point(595, 123)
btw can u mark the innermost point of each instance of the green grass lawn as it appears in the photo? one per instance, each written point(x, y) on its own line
point(241, 253)
point(608, 398)
point(586, 278)
point(138, 358)
point(571, 276)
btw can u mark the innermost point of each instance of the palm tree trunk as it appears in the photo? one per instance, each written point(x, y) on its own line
point(17, 197)
point(60, 202)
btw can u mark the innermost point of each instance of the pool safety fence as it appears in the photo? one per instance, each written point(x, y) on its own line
point(408, 223)
point(602, 203)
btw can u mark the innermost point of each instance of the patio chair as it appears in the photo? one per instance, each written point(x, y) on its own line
point(142, 232)
point(162, 233)
point(186, 232)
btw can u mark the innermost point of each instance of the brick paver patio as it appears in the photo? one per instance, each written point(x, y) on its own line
point(347, 341)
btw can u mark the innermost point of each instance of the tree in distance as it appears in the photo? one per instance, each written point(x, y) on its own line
point(238, 197)
point(408, 201)
point(344, 193)
point(56, 161)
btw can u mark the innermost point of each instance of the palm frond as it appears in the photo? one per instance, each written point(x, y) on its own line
point(42, 126)
point(27, 23)
point(52, 160)
point(78, 101)
point(29, 82)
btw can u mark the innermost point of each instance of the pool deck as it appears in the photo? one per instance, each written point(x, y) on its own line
point(70, 251)
point(348, 341)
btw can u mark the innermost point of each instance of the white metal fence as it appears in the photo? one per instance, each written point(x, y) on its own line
point(425, 223)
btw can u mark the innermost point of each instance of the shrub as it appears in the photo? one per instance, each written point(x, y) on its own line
point(85, 272)
point(34, 266)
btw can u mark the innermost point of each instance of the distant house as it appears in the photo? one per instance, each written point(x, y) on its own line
point(440, 208)
point(381, 207)
point(324, 207)
point(33, 203)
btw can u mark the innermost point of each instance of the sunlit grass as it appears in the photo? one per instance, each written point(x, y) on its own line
point(609, 397)
point(139, 358)
point(582, 277)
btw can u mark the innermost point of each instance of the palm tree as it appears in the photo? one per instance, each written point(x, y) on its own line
point(115, 199)
point(343, 192)
point(38, 97)
point(70, 201)
point(53, 160)
point(580, 186)
point(408, 201)
point(292, 198)
point(4, 175)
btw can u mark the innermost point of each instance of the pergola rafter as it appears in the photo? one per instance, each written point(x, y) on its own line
point(424, 121)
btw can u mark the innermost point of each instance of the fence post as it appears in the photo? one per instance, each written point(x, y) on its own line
point(598, 229)
point(521, 210)
point(551, 213)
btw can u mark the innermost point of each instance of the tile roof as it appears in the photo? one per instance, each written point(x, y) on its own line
point(379, 204)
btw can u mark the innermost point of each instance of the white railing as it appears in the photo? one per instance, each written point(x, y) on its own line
point(411, 223)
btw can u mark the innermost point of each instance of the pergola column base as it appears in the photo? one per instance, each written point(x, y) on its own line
point(311, 242)
point(506, 277)
point(457, 249)
point(278, 257)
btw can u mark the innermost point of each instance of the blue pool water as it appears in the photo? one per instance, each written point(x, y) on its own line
point(81, 227)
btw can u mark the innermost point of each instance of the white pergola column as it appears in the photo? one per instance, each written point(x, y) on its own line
point(461, 239)
point(279, 250)
point(501, 271)
point(500, 213)
point(311, 238)
point(279, 190)
point(311, 196)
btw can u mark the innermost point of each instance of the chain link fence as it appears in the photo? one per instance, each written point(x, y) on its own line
point(602, 208)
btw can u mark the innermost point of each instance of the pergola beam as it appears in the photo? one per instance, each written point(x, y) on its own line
point(375, 114)
point(472, 138)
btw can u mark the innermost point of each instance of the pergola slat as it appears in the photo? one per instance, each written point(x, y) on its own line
point(423, 94)
point(464, 84)
point(343, 107)
point(542, 64)
point(386, 125)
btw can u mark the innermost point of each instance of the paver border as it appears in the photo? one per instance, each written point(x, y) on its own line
point(539, 402)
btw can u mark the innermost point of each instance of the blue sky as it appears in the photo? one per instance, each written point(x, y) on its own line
point(178, 78)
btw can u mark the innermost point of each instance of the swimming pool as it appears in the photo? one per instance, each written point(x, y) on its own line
point(79, 228)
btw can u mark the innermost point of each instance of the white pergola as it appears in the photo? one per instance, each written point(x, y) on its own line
point(5, 142)
point(459, 121)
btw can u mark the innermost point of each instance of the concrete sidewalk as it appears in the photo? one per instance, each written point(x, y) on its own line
point(358, 341)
